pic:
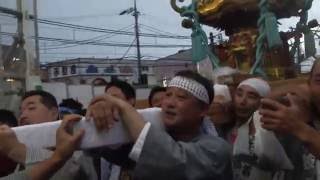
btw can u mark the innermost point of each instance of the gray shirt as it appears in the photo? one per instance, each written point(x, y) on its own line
point(78, 167)
point(162, 157)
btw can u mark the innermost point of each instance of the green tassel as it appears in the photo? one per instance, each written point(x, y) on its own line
point(199, 52)
point(310, 44)
point(271, 29)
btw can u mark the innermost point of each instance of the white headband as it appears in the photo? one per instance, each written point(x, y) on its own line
point(193, 87)
point(261, 86)
point(222, 90)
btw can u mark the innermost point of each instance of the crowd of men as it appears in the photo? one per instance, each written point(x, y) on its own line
point(250, 132)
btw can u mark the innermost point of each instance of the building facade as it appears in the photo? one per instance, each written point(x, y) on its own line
point(165, 68)
point(100, 71)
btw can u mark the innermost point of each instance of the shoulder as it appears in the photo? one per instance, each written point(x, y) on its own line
point(216, 146)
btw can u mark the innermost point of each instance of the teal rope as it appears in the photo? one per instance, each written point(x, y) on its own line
point(268, 33)
point(200, 47)
point(309, 40)
point(302, 27)
point(261, 38)
point(308, 5)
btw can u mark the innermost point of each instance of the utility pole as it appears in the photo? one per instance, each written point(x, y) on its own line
point(74, 34)
point(36, 33)
point(22, 49)
point(19, 21)
point(27, 29)
point(136, 17)
point(134, 11)
point(1, 53)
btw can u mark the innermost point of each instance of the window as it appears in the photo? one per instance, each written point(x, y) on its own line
point(56, 71)
point(82, 81)
point(92, 69)
point(64, 70)
point(109, 69)
point(114, 78)
point(73, 69)
point(144, 79)
point(145, 68)
point(125, 69)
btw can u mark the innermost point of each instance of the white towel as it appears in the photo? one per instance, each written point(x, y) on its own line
point(266, 147)
point(44, 135)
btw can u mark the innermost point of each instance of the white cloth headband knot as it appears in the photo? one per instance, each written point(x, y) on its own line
point(192, 86)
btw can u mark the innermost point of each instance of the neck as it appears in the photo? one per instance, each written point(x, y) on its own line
point(185, 134)
point(240, 120)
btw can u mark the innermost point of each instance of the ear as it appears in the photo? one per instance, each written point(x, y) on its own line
point(204, 110)
point(132, 101)
point(54, 112)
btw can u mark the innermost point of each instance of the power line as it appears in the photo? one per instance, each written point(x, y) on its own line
point(81, 17)
point(120, 32)
point(80, 42)
point(95, 53)
point(110, 31)
point(7, 15)
point(156, 30)
point(96, 39)
point(127, 51)
point(84, 53)
point(85, 42)
point(8, 34)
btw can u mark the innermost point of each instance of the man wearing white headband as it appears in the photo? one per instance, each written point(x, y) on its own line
point(247, 98)
point(180, 150)
point(220, 110)
point(257, 153)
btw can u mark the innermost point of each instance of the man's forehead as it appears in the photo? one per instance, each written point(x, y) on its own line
point(31, 100)
point(247, 89)
point(113, 89)
point(159, 93)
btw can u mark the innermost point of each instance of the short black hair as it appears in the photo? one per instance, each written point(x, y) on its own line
point(47, 98)
point(155, 90)
point(200, 79)
point(7, 117)
point(125, 88)
point(72, 104)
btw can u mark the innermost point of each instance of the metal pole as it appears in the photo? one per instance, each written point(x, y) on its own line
point(36, 33)
point(299, 52)
point(74, 34)
point(1, 54)
point(33, 80)
point(20, 24)
point(136, 16)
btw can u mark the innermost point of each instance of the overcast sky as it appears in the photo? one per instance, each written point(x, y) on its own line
point(157, 14)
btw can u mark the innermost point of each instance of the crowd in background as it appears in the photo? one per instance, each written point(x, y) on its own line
point(244, 130)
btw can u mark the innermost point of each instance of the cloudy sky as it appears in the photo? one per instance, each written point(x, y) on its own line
point(157, 17)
